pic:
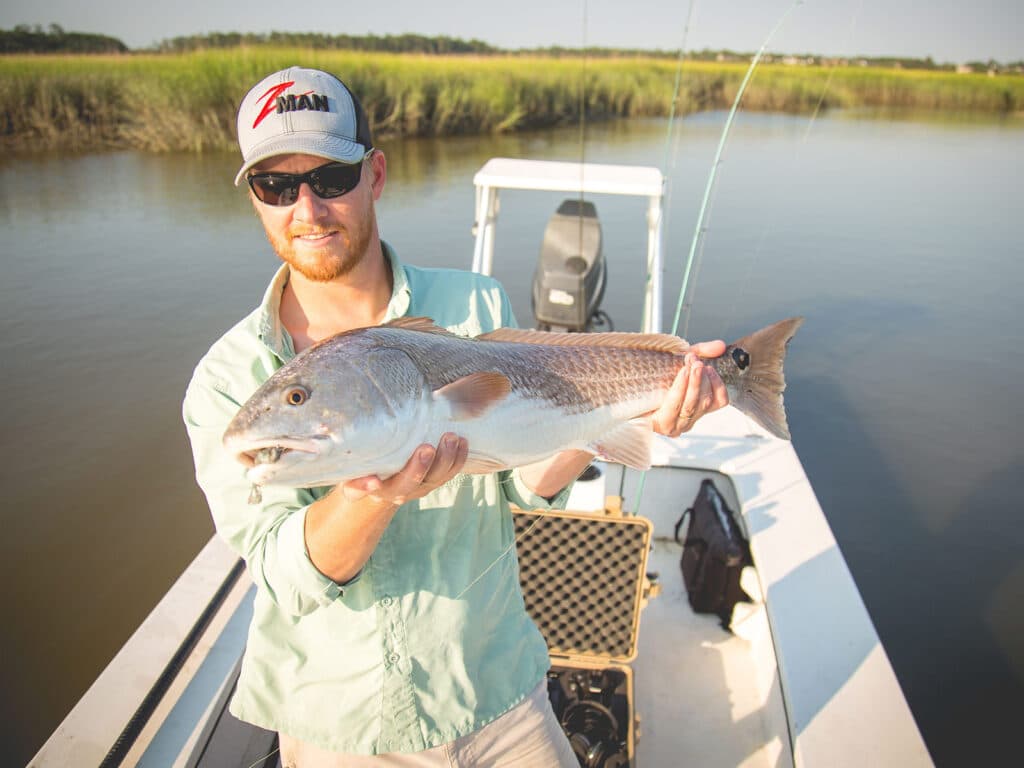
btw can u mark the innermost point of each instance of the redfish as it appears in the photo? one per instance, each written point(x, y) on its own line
point(359, 403)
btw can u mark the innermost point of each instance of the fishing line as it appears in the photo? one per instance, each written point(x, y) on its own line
point(739, 294)
point(672, 147)
point(583, 127)
point(699, 228)
point(499, 558)
point(698, 263)
point(832, 70)
point(263, 760)
point(698, 231)
point(672, 107)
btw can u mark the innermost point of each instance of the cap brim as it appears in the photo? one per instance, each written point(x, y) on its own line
point(310, 143)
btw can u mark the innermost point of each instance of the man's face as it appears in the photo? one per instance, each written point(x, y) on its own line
point(323, 239)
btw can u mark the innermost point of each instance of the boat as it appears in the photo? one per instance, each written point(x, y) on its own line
point(800, 678)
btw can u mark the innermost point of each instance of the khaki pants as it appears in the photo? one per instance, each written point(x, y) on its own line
point(527, 736)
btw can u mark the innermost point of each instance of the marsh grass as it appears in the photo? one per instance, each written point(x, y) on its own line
point(175, 102)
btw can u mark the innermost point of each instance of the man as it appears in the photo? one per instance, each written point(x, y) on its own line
point(388, 626)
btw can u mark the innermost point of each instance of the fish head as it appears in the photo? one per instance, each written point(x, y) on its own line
point(321, 419)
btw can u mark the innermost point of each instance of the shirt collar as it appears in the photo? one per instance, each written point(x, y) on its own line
point(276, 337)
point(401, 293)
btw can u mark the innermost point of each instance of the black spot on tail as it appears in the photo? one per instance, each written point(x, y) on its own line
point(741, 358)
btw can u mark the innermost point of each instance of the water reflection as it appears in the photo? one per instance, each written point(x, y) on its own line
point(897, 241)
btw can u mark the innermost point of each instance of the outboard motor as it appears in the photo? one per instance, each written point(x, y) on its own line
point(569, 281)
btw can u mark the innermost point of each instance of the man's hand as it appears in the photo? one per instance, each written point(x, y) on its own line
point(697, 390)
point(428, 468)
point(343, 528)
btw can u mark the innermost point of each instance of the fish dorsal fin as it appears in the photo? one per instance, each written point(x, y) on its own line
point(657, 342)
point(475, 394)
point(628, 444)
point(424, 324)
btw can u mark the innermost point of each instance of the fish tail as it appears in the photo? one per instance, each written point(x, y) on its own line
point(752, 370)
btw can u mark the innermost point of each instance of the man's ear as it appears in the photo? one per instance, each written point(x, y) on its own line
point(379, 164)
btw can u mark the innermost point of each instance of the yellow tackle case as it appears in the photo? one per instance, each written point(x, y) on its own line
point(584, 580)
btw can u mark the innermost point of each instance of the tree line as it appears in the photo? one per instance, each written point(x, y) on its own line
point(408, 43)
point(26, 39)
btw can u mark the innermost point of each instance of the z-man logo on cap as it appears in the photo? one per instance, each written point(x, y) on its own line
point(280, 102)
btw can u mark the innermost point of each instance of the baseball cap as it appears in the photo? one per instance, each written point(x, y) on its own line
point(305, 111)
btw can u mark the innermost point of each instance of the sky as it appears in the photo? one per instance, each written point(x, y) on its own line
point(944, 30)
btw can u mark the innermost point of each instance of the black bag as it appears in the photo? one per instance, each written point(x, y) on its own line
point(714, 555)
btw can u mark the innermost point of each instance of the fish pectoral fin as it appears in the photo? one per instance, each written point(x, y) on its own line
point(475, 394)
point(628, 444)
point(481, 464)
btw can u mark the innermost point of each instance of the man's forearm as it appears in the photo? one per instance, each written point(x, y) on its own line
point(342, 533)
point(343, 528)
point(546, 478)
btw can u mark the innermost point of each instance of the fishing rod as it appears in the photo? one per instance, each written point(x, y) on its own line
point(668, 175)
point(675, 89)
point(700, 218)
point(698, 232)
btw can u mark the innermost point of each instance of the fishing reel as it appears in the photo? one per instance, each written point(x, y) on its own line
point(585, 703)
point(592, 730)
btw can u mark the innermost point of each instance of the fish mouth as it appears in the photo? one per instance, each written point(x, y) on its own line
point(254, 453)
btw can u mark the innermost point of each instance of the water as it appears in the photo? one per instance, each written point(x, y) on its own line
point(897, 240)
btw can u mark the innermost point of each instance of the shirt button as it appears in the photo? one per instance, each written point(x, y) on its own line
point(386, 601)
point(393, 658)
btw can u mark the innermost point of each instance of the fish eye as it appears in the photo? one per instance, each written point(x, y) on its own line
point(296, 396)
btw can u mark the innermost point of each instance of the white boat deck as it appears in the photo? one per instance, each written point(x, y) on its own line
point(699, 692)
point(808, 654)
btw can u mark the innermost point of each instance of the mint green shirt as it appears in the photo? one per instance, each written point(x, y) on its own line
point(398, 659)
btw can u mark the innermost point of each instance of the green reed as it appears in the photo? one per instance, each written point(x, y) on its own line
point(165, 102)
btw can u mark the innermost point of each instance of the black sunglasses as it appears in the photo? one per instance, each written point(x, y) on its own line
point(326, 181)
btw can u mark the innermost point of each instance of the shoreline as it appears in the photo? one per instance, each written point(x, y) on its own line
point(187, 102)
